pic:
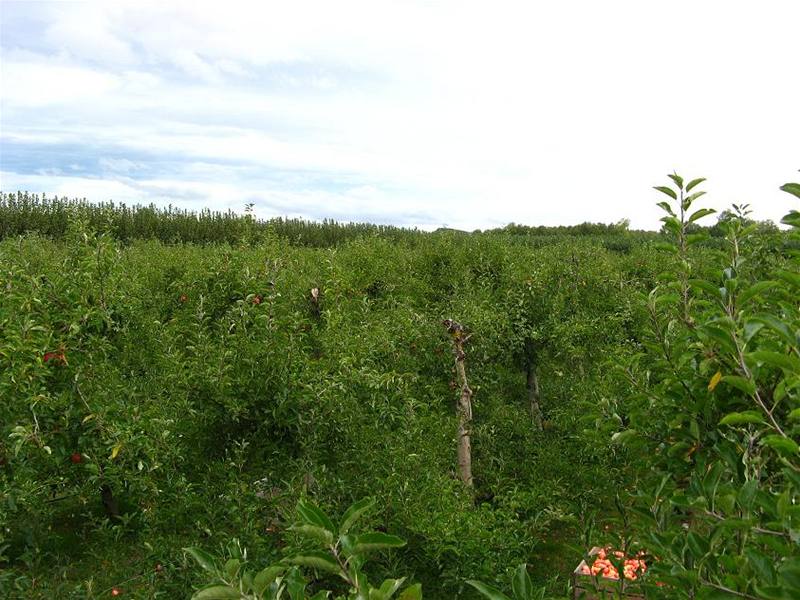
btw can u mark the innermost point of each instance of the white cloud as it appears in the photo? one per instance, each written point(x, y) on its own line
point(36, 85)
point(119, 165)
point(485, 114)
point(86, 33)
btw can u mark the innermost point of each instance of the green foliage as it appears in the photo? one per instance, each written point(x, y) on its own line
point(23, 213)
point(160, 395)
point(715, 392)
point(343, 556)
point(203, 394)
point(521, 585)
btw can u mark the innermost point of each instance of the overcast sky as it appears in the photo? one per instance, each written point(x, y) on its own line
point(470, 115)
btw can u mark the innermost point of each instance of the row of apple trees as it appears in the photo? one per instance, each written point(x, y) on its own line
point(158, 397)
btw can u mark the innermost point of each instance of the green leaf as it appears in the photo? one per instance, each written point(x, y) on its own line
point(706, 286)
point(347, 544)
point(720, 336)
point(367, 542)
point(679, 449)
point(698, 545)
point(666, 208)
point(790, 575)
point(668, 191)
point(487, 590)
point(622, 437)
point(751, 328)
point(666, 246)
point(521, 584)
point(754, 290)
point(787, 362)
point(776, 325)
point(789, 277)
point(782, 445)
point(747, 493)
point(358, 579)
point(412, 592)
point(295, 584)
point(694, 238)
point(318, 533)
point(793, 219)
point(352, 514)
point(265, 577)
point(312, 515)
point(794, 415)
point(390, 586)
point(792, 188)
point(671, 224)
point(699, 214)
point(246, 579)
point(761, 564)
point(693, 183)
point(740, 418)
point(231, 568)
point(387, 589)
point(740, 383)
point(687, 202)
point(314, 560)
point(218, 592)
point(203, 558)
point(772, 592)
point(677, 179)
point(794, 478)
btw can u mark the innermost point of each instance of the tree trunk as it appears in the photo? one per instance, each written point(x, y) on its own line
point(109, 503)
point(464, 410)
point(313, 299)
point(533, 395)
point(464, 419)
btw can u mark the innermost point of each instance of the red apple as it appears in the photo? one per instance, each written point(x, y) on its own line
point(57, 357)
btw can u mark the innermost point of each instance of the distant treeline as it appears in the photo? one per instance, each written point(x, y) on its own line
point(27, 213)
point(23, 212)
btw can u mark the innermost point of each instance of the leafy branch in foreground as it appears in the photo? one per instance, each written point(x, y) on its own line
point(344, 555)
point(720, 416)
point(521, 587)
